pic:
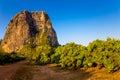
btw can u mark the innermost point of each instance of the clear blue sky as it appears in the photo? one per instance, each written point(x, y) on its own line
point(80, 21)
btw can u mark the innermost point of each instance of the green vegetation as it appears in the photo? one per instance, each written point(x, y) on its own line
point(104, 54)
point(9, 57)
point(71, 56)
point(39, 54)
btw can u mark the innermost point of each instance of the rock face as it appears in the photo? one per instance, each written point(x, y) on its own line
point(0, 41)
point(26, 27)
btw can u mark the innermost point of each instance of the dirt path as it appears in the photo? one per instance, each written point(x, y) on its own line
point(20, 71)
point(6, 71)
point(52, 73)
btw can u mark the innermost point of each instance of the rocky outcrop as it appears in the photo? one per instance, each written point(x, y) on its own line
point(0, 41)
point(26, 26)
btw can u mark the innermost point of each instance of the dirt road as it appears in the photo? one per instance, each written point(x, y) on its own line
point(52, 73)
point(21, 71)
point(6, 71)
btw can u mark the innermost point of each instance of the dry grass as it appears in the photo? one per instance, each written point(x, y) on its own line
point(101, 74)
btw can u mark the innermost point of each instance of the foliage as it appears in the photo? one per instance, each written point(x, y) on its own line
point(69, 56)
point(10, 58)
point(43, 54)
point(97, 53)
point(42, 39)
point(104, 54)
point(72, 56)
point(39, 54)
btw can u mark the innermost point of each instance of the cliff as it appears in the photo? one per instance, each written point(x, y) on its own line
point(0, 41)
point(25, 27)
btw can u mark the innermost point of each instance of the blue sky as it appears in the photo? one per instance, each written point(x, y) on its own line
point(80, 21)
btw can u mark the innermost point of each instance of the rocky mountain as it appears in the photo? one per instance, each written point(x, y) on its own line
point(0, 41)
point(26, 27)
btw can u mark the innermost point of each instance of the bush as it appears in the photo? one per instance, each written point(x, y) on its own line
point(10, 58)
point(56, 57)
point(43, 54)
point(104, 54)
point(38, 54)
point(69, 56)
point(72, 56)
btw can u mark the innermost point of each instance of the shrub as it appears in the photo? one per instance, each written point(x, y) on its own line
point(69, 56)
point(43, 53)
point(10, 58)
point(72, 56)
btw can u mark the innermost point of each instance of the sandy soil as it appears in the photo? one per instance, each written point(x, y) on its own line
point(21, 71)
point(6, 71)
point(52, 73)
